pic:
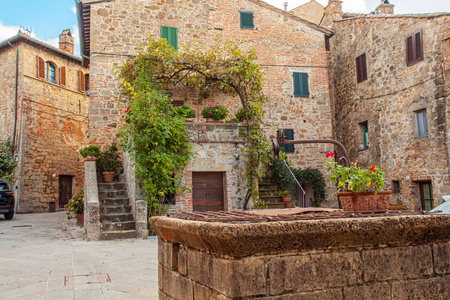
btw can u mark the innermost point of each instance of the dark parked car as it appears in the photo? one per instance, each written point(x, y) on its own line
point(6, 201)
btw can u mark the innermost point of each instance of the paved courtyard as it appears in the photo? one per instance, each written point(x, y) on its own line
point(46, 256)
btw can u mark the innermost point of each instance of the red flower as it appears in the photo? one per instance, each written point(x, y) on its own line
point(128, 109)
point(123, 116)
point(372, 168)
point(331, 153)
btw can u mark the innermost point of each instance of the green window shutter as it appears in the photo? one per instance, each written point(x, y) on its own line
point(171, 35)
point(366, 144)
point(304, 85)
point(297, 91)
point(289, 133)
point(247, 20)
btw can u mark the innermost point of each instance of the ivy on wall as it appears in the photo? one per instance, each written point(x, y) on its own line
point(157, 137)
point(7, 162)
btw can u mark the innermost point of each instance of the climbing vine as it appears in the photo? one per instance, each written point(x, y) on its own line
point(7, 162)
point(157, 137)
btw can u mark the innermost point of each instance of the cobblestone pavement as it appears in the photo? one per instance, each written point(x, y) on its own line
point(46, 256)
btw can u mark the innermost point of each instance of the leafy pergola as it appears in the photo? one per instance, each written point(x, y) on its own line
point(159, 68)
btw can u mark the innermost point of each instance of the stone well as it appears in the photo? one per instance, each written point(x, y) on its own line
point(387, 257)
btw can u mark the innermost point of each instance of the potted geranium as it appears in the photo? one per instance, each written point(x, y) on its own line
point(285, 196)
point(188, 112)
point(76, 207)
point(214, 113)
point(358, 188)
point(108, 162)
point(89, 152)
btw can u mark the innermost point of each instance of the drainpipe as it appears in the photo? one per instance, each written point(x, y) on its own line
point(15, 105)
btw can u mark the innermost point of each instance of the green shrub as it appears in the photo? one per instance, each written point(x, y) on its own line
point(217, 112)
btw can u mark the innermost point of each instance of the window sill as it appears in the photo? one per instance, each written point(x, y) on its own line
point(414, 63)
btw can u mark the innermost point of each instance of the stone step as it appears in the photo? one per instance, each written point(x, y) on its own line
point(112, 194)
point(116, 209)
point(118, 226)
point(122, 217)
point(270, 193)
point(118, 234)
point(271, 199)
point(271, 186)
point(113, 201)
point(113, 186)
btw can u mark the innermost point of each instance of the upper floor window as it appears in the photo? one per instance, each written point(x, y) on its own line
point(364, 127)
point(361, 68)
point(414, 48)
point(50, 72)
point(171, 35)
point(247, 19)
point(420, 123)
point(301, 84)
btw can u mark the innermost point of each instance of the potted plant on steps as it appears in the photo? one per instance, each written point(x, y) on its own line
point(108, 162)
point(285, 196)
point(214, 113)
point(290, 204)
point(76, 207)
point(359, 189)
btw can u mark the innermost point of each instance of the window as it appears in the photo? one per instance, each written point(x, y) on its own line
point(247, 19)
point(420, 123)
point(288, 135)
point(364, 126)
point(426, 195)
point(171, 35)
point(50, 72)
point(414, 48)
point(361, 68)
point(396, 186)
point(86, 82)
point(301, 87)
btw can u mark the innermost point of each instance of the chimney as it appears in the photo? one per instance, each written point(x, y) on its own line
point(66, 41)
point(285, 6)
point(385, 8)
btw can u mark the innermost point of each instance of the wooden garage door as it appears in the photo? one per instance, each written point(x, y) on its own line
point(207, 191)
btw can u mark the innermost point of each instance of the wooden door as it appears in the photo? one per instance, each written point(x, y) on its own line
point(426, 195)
point(65, 190)
point(207, 192)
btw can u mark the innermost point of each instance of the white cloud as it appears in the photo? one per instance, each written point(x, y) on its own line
point(74, 9)
point(7, 31)
point(76, 37)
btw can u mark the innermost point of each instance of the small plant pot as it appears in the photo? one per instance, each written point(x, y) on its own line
point(286, 199)
point(108, 176)
point(80, 219)
point(90, 157)
point(365, 202)
point(290, 205)
point(189, 119)
point(211, 120)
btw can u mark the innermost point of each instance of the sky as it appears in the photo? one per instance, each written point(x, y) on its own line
point(48, 18)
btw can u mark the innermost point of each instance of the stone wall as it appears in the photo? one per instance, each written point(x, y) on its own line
point(284, 44)
point(52, 125)
point(389, 97)
point(366, 258)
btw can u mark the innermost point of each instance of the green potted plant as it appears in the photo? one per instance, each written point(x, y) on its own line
point(240, 116)
point(189, 113)
point(108, 162)
point(214, 113)
point(89, 152)
point(359, 189)
point(76, 207)
point(290, 204)
point(285, 196)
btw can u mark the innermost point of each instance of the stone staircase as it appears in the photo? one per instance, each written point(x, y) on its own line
point(269, 192)
point(116, 219)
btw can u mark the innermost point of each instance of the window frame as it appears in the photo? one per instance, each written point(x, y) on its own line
point(169, 36)
point(241, 14)
point(300, 77)
point(364, 127)
point(361, 68)
point(396, 189)
point(46, 68)
point(419, 123)
point(415, 58)
point(289, 135)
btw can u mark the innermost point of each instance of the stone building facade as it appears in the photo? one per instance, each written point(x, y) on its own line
point(51, 122)
point(285, 45)
point(389, 81)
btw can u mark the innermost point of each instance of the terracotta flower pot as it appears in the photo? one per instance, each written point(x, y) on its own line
point(211, 120)
point(108, 176)
point(289, 205)
point(360, 202)
point(80, 219)
point(286, 198)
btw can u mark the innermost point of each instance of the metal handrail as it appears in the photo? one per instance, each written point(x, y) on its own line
point(298, 183)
